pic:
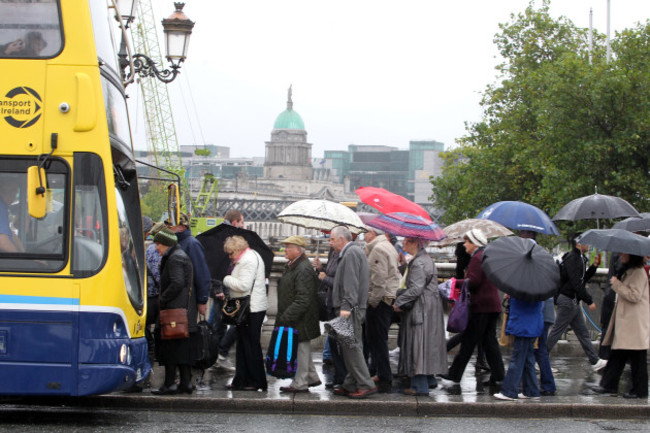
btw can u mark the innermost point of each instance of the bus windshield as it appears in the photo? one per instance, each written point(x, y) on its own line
point(26, 243)
point(30, 29)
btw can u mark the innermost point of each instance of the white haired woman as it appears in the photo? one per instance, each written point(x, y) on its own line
point(247, 278)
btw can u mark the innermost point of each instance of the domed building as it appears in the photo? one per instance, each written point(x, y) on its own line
point(288, 155)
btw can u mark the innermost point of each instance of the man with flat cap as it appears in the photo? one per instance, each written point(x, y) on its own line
point(349, 300)
point(298, 308)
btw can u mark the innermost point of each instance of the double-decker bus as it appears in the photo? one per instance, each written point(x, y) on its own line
point(72, 268)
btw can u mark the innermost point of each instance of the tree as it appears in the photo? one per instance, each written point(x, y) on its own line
point(154, 201)
point(555, 125)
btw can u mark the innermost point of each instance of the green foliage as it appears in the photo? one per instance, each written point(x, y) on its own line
point(555, 125)
point(202, 152)
point(154, 200)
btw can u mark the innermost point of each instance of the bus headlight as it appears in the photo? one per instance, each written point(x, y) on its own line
point(125, 354)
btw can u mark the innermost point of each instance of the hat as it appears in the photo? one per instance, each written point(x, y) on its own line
point(184, 220)
point(165, 237)
point(147, 223)
point(295, 240)
point(375, 229)
point(157, 227)
point(477, 237)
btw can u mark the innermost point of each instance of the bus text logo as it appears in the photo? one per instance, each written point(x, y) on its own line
point(21, 107)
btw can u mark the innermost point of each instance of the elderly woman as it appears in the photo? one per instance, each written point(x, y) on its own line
point(247, 278)
point(175, 286)
point(628, 332)
point(485, 308)
point(423, 352)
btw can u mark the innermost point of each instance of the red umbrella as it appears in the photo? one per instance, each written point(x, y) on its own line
point(387, 202)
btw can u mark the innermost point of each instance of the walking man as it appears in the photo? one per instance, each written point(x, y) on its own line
point(298, 308)
point(384, 280)
point(349, 299)
point(568, 302)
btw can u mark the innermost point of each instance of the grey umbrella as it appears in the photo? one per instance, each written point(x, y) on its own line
point(633, 224)
point(596, 206)
point(616, 240)
point(521, 268)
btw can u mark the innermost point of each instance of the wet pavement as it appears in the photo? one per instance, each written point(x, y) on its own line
point(574, 379)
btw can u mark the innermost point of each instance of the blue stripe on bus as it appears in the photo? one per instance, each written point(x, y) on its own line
point(19, 299)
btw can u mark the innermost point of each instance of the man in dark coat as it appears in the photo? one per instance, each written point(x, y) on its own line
point(350, 298)
point(201, 284)
point(298, 308)
point(568, 302)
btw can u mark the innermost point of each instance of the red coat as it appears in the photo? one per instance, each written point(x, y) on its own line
point(484, 296)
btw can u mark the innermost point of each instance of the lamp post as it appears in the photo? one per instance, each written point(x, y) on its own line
point(177, 28)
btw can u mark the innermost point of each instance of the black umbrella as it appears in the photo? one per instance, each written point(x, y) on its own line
point(616, 240)
point(594, 207)
point(521, 268)
point(633, 224)
point(218, 261)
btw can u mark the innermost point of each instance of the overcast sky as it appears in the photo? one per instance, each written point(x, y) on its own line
point(367, 72)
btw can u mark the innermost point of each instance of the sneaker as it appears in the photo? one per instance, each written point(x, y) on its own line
point(525, 397)
point(599, 365)
point(500, 396)
point(224, 363)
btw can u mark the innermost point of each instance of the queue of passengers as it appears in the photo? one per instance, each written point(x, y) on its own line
point(373, 287)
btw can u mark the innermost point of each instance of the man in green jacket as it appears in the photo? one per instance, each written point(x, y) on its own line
point(298, 308)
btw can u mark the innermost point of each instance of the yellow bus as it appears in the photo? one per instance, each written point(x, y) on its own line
point(72, 267)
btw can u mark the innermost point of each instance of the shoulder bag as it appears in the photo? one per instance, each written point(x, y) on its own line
point(174, 323)
point(459, 315)
point(236, 311)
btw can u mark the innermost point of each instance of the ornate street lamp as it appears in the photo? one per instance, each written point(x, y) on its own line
point(178, 29)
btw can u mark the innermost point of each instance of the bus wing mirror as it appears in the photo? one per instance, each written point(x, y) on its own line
point(173, 204)
point(36, 192)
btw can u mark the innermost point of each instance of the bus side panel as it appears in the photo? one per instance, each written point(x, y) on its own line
point(41, 343)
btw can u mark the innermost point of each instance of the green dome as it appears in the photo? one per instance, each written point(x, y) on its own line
point(289, 119)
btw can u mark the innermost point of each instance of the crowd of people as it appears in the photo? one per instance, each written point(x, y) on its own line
point(377, 284)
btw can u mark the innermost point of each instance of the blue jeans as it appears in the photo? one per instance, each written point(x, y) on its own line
point(420, 383)
point(521, 369)
point(327, 353)
point(546, 380)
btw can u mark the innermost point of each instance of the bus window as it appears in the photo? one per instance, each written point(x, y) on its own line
point(117, 115)
point(30, 29)
point(130, 268)
point(28, 243)
point(90, 246)
point(103, 23)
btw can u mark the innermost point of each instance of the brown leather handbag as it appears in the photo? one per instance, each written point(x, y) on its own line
point(174, 324)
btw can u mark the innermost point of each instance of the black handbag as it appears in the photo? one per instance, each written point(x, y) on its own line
point(236, 311)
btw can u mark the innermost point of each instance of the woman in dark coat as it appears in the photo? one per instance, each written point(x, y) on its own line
point(485, 308)
point(175, 286)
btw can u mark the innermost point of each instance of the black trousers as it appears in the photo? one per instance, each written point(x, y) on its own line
point(616, 364)
point(482, 328)
point(249, 366)
point(185, 374)
point(377, 325)
point(339, 364)
point(153, 311)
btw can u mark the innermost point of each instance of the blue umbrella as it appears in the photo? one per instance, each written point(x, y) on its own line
point(519, 216)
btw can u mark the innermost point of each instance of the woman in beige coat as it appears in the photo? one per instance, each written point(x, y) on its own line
point(629, 330)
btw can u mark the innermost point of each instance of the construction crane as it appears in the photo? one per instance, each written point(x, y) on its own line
point(160, 128)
